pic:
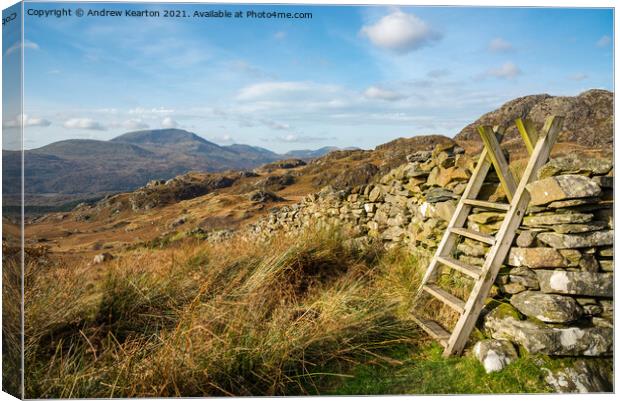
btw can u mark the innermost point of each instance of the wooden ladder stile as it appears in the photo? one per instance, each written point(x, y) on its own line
point(539, 147)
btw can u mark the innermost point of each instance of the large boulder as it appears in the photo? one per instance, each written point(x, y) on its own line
point(549, 308)
point(576, 282)
point(561, 187)
point(503, 323)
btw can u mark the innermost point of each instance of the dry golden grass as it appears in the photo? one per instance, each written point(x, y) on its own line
point(235, 318)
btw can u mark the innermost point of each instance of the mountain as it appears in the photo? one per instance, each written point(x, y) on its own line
point(253, 152)
point(310, 154)
point(124, 163)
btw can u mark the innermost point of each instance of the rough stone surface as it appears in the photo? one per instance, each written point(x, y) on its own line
point(536, 257)
point(549, 308)
point(495, 355)
point(584, 376)
point(575, 165)
point(503, 324)
point(561, 187)
point(580, 282)
point(580, 240)
point(556, 218)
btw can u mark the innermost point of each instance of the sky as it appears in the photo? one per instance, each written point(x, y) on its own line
point(349, 76)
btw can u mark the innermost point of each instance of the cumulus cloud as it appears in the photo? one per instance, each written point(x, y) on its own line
point(84, 123)
point(27, 44)
point(374, 92)
point(604, 41)
point(508, 70)
point(498, 45)
point(400, 32)
point(27, 120)
point(577, 77)
point(168, 122)
point(134, 124)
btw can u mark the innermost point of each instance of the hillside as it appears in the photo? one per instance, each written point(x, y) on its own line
point(78, 169)
point(588, 120)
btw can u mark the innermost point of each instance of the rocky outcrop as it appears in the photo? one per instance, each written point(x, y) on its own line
point(588, 118)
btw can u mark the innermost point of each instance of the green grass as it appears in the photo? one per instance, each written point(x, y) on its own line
point(425, 371)
point(300, 315)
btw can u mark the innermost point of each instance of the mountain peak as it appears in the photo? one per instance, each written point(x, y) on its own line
point(160, 136)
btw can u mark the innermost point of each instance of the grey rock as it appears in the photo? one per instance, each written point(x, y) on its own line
point(556, 218)
point(604, 181)
point(526, 239)
point(495, 355)
point(579, 240)
point(576, 282)
point(549, 308)
point(573, 202)
point(536, 258)
point(375, 194)
point(579, 228)
point(503, 323)
point(434, 195)
point(584, 376)
point(561, 187)
point(575, 165)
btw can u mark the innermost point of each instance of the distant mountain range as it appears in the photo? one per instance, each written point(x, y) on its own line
point(79, 166)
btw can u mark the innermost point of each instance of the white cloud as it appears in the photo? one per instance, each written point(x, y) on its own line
point(603, 41)
point(400, 32)
point(500, 45)
point(508, 70)
point(83, 123)
point(135, 124)
point(275, 124)
point(27, 120)
point(151, 111)
point(301, 138)
point(375, 92)
point(284, 91)
point(27, 44)
point(578, 77)
point(168, 122)
point(280, 35)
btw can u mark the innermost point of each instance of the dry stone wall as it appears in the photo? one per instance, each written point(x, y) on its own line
point(558, 277)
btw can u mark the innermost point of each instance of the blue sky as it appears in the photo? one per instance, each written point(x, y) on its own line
point(350, 76)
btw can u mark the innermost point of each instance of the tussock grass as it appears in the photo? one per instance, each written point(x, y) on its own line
point(235, 318)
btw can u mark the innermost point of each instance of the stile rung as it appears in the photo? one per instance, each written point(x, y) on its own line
point(475, 235)
point(472, 271)
point(433, 329)
point(487, 204)
point(444, 296)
